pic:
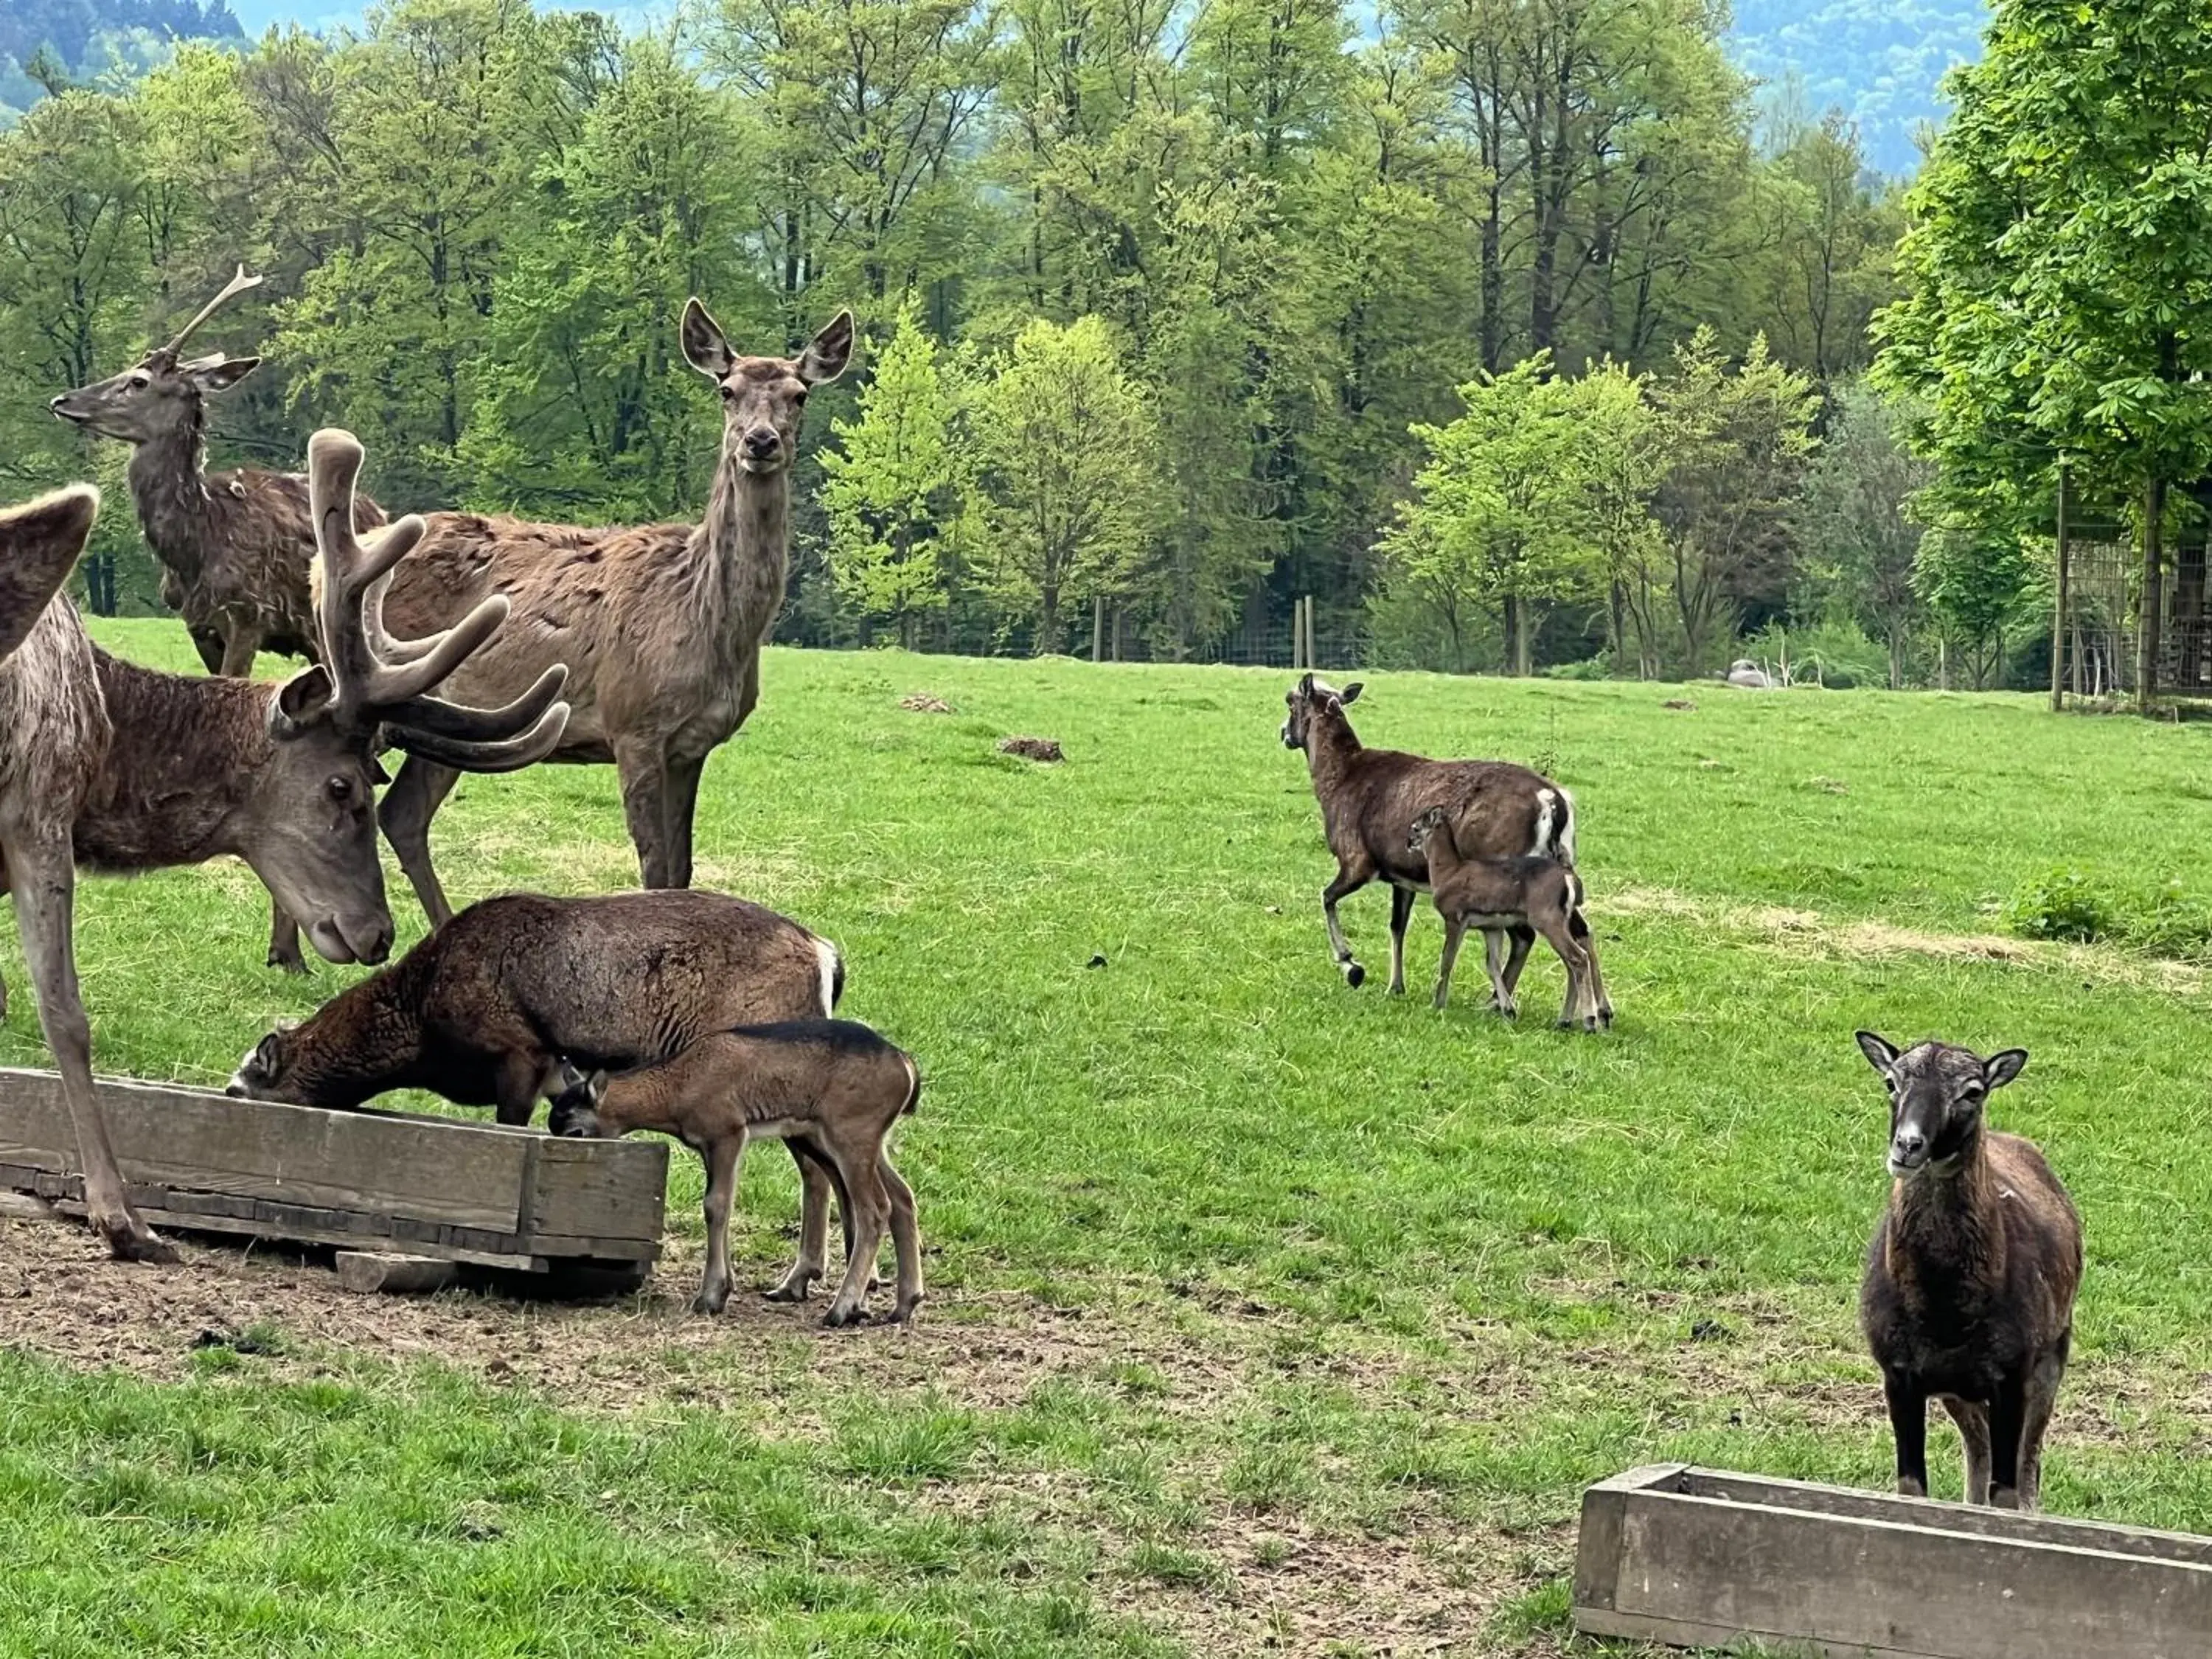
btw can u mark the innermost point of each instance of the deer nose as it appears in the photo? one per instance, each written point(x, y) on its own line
point(762, 442)
point(1907, 1146)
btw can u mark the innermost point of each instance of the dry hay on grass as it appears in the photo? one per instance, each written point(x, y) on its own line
point(1776, 927)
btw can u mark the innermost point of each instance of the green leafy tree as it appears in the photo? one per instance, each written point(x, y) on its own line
point(898, 489)
point(1069, 443)
point(2059, 305)
point(1502, 514)
point(1859, 539)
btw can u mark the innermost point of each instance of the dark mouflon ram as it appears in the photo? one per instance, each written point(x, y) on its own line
point(1370, 797)
point(484, 1009)
point(1968, 1297)
point(832, 1090)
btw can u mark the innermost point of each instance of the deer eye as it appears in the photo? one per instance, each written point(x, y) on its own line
point(140, 380)
point(340, 790)
point(729, 392)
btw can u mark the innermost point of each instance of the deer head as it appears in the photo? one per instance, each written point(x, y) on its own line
point(39, 546)
point(1430, 820)
point(763, 399)
point(576, 1104)
point(1937, 1090)
point(1309, 700)
point(309, 828)
point(163, 394)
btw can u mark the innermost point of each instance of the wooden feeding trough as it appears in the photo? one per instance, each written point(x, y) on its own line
point(1698, 1558)
point(385, 1184)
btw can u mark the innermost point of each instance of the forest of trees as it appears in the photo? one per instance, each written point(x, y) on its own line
point(1499, 332)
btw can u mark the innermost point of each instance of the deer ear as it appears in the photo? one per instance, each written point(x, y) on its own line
point(598, 1085)
point(301, 701)
point(827, 352)
point(1305, 686)
point(1351, 693)
point(706, 347)
point(2000, 1069)
point(1881, 1053)
point(220, 374)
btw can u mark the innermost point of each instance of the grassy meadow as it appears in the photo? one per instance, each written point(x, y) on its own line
point(1264, 1315)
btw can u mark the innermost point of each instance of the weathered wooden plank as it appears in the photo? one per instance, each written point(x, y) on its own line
point(430, 1168)
point(372, 1271)
point(1700, 1559)
point(598, 1189)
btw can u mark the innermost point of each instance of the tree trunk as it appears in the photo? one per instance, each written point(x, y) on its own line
point(1516, 635)
point(2147, 618)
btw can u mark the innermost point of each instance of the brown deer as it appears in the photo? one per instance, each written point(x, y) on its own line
point(661, 626)
point(113, 768)
point(235, 547)
point(1498, 895)
point(1368, 799)
point(1968, 1296)
point(833, 1086)
point(483, 1011)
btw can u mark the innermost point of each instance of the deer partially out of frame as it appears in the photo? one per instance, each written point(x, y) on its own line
point(235, 547)
point(113, 768)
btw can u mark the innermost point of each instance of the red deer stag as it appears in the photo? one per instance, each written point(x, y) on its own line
point(112, 768)
point(661, 627)
point(235, 547)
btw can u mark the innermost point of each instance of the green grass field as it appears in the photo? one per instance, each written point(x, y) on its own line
point(1264, 1315)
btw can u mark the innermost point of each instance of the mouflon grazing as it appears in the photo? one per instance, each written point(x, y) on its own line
point(1500, 895)
point(1968, 1297)
point(831, 1089)
point(1370, 797)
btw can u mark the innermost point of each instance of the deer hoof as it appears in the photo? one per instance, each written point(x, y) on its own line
point(131, 1240)
point(1354, 974)
point(710, 1302)
point(291, 964)
point(837, 1318)
point(792, 1289)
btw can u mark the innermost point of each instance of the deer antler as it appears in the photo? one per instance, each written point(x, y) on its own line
point(237, 285)
point(369, 687)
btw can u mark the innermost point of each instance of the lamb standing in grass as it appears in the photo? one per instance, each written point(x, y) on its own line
point(832, 1087)
point(1498, 895)
point(1970, 1281)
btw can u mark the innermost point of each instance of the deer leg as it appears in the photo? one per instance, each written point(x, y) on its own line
point(516, 1089)
point(43, 876)
point(872, 1208)
point(2042, 1396)
point(1584, 937)
point(2007, 1429)
point(724, 1158)
point(1973, 1421)
point(1401, 913)
point(1347, 884)
point(680, 806)
point(284, 939)
point(404, 815)
point(239, 648)
point(1908, 1421)
point(906, 1242)
point(1524, 940)
point(813, 1222)
point(644, 795)
point(1455, 931)
point(1493, 954)
point(209, 644)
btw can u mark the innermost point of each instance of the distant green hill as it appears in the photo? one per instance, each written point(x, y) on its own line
point(1879, 61)
point(70, 27)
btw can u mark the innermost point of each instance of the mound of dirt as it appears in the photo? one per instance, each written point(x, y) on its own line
point(921, 702)
point(1036, 749)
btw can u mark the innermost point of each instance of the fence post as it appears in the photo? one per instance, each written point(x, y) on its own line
point(2058, 615)
point(1097, 628)
point(1313, 654)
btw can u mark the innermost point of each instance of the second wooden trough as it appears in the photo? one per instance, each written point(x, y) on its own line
point(362, 1181)
point(1698, 1558)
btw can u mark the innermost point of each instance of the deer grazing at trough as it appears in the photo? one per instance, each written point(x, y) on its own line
point(1498, 895)
point(235, 547)
point(1968, 1296)
point(1368, 799)
point(116, 768)
point(482, 1011)
point(832, 1085)
point(661, 627)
